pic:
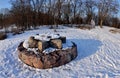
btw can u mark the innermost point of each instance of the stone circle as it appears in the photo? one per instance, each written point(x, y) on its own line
point(41, 60)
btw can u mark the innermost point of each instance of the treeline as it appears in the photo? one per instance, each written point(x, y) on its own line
point(27, 13)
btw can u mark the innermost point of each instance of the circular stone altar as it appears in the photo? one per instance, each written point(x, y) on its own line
point(43, 51)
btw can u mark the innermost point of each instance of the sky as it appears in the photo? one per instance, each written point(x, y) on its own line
point(5, 4)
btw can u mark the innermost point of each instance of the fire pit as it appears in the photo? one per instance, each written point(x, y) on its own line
point(47, 51)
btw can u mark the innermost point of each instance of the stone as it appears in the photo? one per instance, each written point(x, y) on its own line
point(65, 57)
point(74, 52)
point(32, 42)
point(20, 54)
point(68, 57)
point(55, 56)
point(28, 62)
point(63, 39)
point(31, 57)
point(37, 63)
point(42, 45)
point(56, 43)
point(63, 60)
point(24, 57)
point(20, 47)
point(44, 61)
point(49, 61)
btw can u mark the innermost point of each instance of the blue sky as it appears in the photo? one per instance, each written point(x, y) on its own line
point(5, 4)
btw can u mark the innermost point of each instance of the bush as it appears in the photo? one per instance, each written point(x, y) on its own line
point(3, 36)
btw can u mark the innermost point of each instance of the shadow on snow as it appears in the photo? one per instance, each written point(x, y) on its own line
point(86, 47)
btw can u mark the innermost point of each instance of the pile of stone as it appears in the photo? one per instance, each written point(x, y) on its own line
point(43, 61)
point(43, 44)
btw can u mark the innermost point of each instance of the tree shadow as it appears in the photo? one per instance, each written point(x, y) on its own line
point(86, 47)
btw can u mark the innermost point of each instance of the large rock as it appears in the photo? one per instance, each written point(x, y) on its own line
point(56, 43)
point(44, 61)
point(42, 45)
point(63, 39)
point(24, 57)
point(74, 52)
point(49, 61)
point(64, 60)
point(32, 42)
point(65, 57)
point(37, 63)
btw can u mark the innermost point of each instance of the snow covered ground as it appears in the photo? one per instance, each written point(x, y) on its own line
point(98, 55)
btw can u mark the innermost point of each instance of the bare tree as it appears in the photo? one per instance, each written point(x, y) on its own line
point(26, 13)
point(90, 6)
point(58, 9)
point(4, 18)
point(67, 11)
point(1, 20)
point(76, 10)
point(105, 8)
point(36, 5)
point(76, 4)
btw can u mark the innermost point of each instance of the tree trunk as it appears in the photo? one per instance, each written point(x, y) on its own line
point(101, 22)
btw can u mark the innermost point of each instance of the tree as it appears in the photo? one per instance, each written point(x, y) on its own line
point(76, 10)
point(4, 18)
point(105, 8)
point(1, 20)
point(90, 6)
point(67, 11)
point(58, 9)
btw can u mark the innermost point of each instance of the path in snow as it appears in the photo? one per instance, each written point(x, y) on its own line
point(98, 56)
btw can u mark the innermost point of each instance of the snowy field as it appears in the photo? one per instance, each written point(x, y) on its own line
point(98, 55)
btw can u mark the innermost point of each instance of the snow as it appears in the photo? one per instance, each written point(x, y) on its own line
point(35, 50)
point(65, 46)
point(98, 55)
point(48, 50)
point(92, 22)
point(25, 44)
point(44, 37)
